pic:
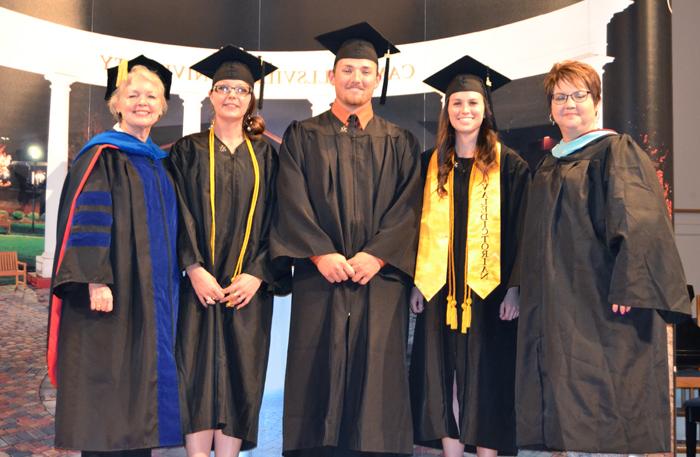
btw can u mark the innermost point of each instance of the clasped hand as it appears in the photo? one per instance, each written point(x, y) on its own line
point(241, 291)
point(336, 268)
point(622, 309)
point(238, 294)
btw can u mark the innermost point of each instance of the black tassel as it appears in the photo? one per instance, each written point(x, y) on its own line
point(262, 84)
point(490, 102)
point(385, 83)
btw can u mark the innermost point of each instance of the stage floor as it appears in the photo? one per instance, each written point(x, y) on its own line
point(27, 399)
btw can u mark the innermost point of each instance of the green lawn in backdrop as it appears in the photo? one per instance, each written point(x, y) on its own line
point(27, 247)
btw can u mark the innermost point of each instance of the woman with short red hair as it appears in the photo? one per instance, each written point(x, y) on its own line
point(600, 277)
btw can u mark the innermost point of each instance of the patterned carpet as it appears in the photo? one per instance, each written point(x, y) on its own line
point(26, 426)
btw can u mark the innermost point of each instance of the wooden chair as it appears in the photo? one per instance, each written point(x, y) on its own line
point(10, 266)
point(692, 416)
point(688, 376)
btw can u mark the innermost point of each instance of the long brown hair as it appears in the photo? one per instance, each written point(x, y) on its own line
point(485, 155)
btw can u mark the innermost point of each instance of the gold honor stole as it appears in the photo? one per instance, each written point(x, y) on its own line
point(483, 247)
point(251, 211)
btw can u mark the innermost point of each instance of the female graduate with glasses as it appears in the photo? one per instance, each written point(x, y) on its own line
point(463, 359)
point(600, 275)
point(225, 181)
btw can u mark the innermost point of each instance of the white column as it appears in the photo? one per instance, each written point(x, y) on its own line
point(320, 105)
point(192, 111)
point(57, 164)
point(599, 16)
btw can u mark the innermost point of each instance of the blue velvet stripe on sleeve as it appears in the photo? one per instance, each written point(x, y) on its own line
point(94, 198)
point(92, 220)
point(99, 218)
point(89, 239)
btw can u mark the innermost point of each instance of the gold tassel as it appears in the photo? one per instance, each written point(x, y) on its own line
point(452, 313)
point(122, 72)
point(467, 312)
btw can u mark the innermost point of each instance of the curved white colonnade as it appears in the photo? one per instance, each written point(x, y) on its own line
point(65, 55)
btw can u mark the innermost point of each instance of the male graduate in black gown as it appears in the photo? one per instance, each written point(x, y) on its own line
point(349, 196)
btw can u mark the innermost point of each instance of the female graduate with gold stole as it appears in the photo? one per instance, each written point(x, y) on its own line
point(225, 180)
point(463, 359)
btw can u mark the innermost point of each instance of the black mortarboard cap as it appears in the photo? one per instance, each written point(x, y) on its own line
point(468, 74)
point(465, 74)
point(360, 41)
point(165, 75)
point(232, 62)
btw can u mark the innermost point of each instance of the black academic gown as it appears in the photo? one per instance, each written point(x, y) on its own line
point(597, 232)
point(221, 352)
point(347, 382)
point(117, 381)
point(483, 359)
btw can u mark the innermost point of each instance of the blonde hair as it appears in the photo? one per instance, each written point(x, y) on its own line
point(141, 72)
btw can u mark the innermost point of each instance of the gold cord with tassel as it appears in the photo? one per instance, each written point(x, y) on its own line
point(251, 211)
point(466, 305)
point(212, 198)
point(467, 309)
point(467, 297)
point(451, 314)
point(212, 192)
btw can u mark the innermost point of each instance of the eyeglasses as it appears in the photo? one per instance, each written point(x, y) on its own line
point(223, 89)
point(579, 96)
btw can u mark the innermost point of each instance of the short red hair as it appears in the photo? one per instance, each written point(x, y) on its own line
point(572, 72)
